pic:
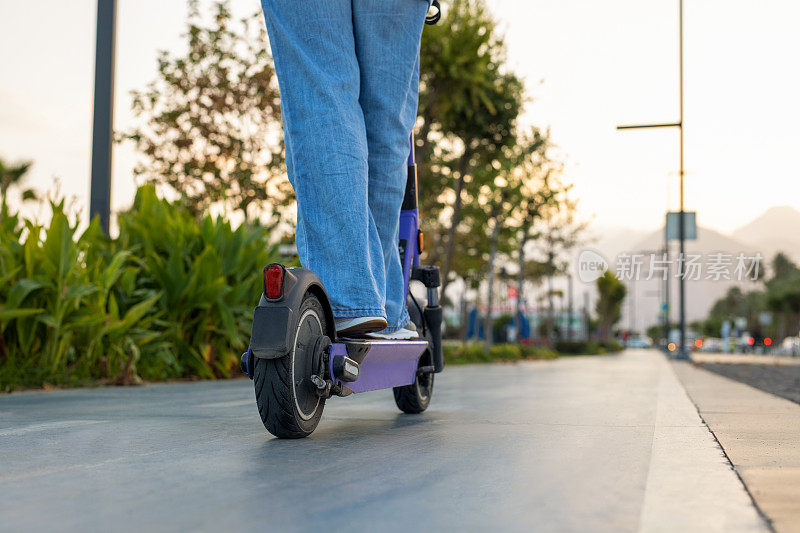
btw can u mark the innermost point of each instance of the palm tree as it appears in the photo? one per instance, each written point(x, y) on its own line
point(12, 175)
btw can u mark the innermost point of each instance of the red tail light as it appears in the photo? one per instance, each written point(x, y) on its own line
point(767, 341)
point(273, 281)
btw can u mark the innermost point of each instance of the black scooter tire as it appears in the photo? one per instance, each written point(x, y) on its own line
point(282, 386)
point(415, 398)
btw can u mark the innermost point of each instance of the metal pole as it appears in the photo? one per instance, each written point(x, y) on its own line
point(682, 353)
point(102, 126)
point(667, 290)
point(570, 310)
point(633, 305)
point(586, 325)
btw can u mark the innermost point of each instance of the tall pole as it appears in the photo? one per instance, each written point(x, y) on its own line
point(569, 310)
point(632, 323)
point(667, 283)
point(681, 352)
point(586, 326)
point(102, 126)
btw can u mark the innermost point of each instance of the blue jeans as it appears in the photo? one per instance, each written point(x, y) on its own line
point(348, 72)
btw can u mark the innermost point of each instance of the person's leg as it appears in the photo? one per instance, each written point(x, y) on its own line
point(387, 37)
point(326, 149)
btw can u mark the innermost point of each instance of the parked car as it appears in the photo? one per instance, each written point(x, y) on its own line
point(639, 342)
point(754, 343)
point(712, 344)
point(790, 346)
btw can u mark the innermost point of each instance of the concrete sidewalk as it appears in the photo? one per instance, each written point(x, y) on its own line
point(760, 434)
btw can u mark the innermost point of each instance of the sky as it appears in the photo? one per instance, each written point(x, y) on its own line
point(589, 66)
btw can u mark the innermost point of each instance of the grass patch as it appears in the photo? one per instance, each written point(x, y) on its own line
point(457, 353)
point(565, 347)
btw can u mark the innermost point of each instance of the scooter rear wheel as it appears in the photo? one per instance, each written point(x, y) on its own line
point(287, 400)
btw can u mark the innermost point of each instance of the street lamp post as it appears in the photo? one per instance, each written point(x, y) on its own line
point(102, 125)
point(681, 353)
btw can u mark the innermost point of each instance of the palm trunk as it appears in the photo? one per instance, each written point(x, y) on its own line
point(450, 246)
point(550, 310)
point(423, 136)
point(487, 327)
point(464, 311)
point(520, 282)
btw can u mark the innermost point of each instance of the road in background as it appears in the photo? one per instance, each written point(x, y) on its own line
point(608, 443)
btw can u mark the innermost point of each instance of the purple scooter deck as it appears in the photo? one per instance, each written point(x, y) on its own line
point(386, 363)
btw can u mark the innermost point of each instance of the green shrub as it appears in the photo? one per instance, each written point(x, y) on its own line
point(537, 352)
point(566, 347)
point(209, 279)
point(170, 297)
point(611, 346)
point(459, 353)
point(64, 317)
point(505, 352)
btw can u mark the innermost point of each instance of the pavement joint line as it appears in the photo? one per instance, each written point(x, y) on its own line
point(763, 515)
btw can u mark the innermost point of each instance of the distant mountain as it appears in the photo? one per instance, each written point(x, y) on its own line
point(641, 306)
point(610, 240)
point(778, 229)
point(708, 241)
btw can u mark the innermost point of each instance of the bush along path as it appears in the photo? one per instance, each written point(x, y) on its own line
point(473, 352)
point(465, 353)
point(170, 297)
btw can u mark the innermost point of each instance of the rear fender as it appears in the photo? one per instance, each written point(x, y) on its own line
point(275, 320)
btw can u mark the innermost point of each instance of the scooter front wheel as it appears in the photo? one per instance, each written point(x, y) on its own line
point(415, 398)
point(287, 399)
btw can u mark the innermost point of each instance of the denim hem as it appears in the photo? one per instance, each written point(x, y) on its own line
point(349, 312)
point(404, 320)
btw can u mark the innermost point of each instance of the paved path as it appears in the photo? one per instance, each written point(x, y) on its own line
point(578, 444)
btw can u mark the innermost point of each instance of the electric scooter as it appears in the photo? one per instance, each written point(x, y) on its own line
point(297, 362)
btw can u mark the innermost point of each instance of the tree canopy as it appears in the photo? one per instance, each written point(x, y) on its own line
point(210, 130)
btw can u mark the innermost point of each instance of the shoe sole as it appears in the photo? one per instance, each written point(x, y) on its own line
point(361, 330)
point(389, 337)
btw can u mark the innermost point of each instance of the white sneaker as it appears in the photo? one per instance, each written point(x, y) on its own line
point(406, 333)
point(358, 326)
